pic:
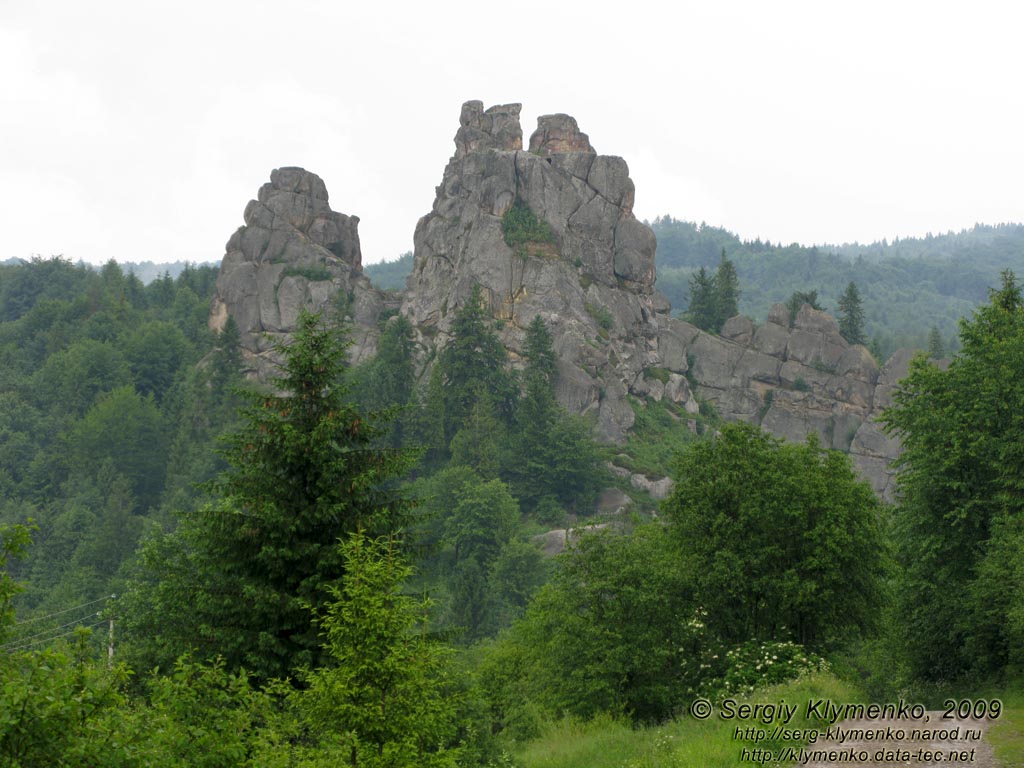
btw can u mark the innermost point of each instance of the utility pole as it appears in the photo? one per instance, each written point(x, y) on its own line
point(110, 640)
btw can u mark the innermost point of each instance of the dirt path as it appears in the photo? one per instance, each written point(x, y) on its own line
point(931, 743)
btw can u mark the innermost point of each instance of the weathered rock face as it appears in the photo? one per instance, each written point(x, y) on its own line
point(594, 285)
point(293, 252)
point(795, 381)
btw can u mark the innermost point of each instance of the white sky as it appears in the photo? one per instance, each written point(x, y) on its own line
point(139, 130)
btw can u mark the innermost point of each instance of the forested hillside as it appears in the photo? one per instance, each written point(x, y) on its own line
point(908, 286)
point(342, 568)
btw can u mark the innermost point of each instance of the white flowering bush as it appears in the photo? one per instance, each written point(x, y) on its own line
point(756, 664)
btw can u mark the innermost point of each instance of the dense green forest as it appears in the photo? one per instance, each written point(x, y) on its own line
point(340, 569)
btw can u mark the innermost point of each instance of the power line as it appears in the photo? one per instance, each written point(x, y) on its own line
point(58, 637)
point(66, 610)
point(20, 640)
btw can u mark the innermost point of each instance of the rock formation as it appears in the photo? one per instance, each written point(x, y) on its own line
point(590, 276)
point(293, 252)
point(795, 381)
point(594, 286)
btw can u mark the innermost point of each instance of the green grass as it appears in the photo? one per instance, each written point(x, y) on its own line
point(658, 434)
point(1007, 733)
point(682, 743)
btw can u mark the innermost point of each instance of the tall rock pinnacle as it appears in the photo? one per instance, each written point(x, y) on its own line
point(592, 280)
point(293, 252)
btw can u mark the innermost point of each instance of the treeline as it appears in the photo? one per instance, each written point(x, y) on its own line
point(908, 286)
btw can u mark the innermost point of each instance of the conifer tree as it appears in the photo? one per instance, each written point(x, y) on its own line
point(240, 576)
point(936, 349)
point(474, 359)
point(851, 315)
point(555, 456)
point(386, 697)
point(703, 310)
point(726, 293)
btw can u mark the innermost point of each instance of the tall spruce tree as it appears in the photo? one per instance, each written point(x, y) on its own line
point(703, 310)
point(555, 457)
point(936, 349)
point(851, 315)
point(727, 292)
point(240, 576)
point(474, 360)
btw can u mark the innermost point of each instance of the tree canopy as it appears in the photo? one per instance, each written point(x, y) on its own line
point(785, 541)
point(960, 528)
point(303, 470)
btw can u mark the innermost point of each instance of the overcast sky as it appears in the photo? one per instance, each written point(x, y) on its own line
point(139, 130)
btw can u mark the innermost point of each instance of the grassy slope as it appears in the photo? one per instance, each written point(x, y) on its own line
point(605, 743)
point(1007, 734)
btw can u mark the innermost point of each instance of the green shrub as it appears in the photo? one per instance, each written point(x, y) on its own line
point(520, 225)
point(754, 665)
point(313, 274)
point(660, 374)
point(602, 315)
point(800, 385)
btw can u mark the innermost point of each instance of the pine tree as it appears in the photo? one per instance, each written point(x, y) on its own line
point(474, 358)
point(727, 292)
point(554, 455)
point(240, 575)
point(386, 698)
point(797, 299)
point(540, 352)
point(703, 310)
point(851, 315)
point(936, 349)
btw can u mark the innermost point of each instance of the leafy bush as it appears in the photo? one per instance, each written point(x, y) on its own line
point(520, 225)
point(313, 274)
point(753, 665)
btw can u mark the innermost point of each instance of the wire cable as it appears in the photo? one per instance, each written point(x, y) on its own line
point(58, 637)
point(20, 640)
point(66, 610)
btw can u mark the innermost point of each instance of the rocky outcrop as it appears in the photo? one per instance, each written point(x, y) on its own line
point(795, 381)
point(593, 282)
point(293, 252)
point(591, 279)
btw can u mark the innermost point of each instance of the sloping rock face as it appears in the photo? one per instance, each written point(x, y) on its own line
point(795, 381)
point(594, 285)
point(293, 252)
